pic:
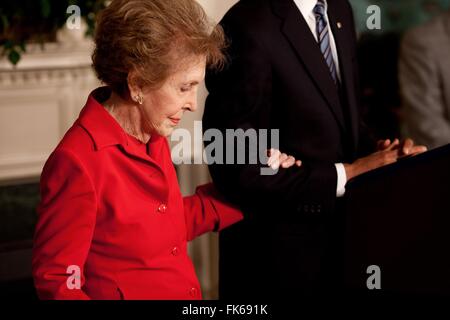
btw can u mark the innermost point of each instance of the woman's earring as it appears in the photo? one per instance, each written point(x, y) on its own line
point(139, 99)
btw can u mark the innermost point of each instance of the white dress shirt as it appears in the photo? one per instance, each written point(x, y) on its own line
point(306, 8)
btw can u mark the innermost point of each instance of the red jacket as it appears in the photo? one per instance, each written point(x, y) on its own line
point(113, 207)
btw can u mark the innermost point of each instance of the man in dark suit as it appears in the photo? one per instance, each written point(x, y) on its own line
point(292, 67)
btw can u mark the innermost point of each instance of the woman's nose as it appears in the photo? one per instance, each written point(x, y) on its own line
point(192, 104)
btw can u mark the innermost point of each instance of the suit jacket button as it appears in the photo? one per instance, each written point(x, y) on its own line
point(193, 292)
point(162, 208)
point(175, 251)
point(319, 208)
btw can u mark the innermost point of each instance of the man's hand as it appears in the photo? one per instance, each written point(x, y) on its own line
point(406, 148)
point(388, 152)
point(384, 144)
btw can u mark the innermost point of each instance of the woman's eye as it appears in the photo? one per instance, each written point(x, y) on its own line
point(185, 89)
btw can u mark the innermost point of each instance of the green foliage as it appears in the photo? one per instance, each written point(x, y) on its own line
point(24, 21)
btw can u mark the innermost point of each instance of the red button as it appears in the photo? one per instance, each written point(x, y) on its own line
point(162, 208)
point(193, 292)
point(175, 251)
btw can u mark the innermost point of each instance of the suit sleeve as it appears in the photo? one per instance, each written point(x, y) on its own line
point(241, 97)
point(420, 84)
point(64, 231)
point(207, 211)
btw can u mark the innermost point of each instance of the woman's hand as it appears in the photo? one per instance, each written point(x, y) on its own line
point(278, 159)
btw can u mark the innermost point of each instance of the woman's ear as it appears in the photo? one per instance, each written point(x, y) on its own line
point(133, 86)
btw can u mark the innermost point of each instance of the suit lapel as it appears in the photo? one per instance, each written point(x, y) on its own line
point(299, 35)
point(345, 62)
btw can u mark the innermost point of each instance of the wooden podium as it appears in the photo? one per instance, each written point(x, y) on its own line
point(398, 218)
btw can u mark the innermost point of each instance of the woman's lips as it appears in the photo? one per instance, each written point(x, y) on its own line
point(175, 120)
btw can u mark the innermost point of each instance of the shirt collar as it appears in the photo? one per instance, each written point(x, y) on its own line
point(306, 7)
point(102, 127)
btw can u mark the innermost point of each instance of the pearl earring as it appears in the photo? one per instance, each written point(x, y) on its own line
point(139, 99)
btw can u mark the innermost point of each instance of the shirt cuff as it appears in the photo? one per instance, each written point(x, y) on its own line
point(341, 180)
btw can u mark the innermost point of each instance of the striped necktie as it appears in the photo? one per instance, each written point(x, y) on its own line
point(324, 37)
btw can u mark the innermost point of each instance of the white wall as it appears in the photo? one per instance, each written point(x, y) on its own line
point(39, 100)
point(216, 8)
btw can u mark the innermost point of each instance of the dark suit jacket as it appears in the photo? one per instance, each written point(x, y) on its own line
point(276, 78)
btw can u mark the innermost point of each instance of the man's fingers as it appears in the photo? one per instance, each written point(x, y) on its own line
point(393, 145)
point(407, 146)
point(418, 150)
point(389, 156)
point(298, 163)
point(383, 144)
point(422, 149)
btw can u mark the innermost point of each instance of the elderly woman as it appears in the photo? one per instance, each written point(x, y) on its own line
point(112, 221)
